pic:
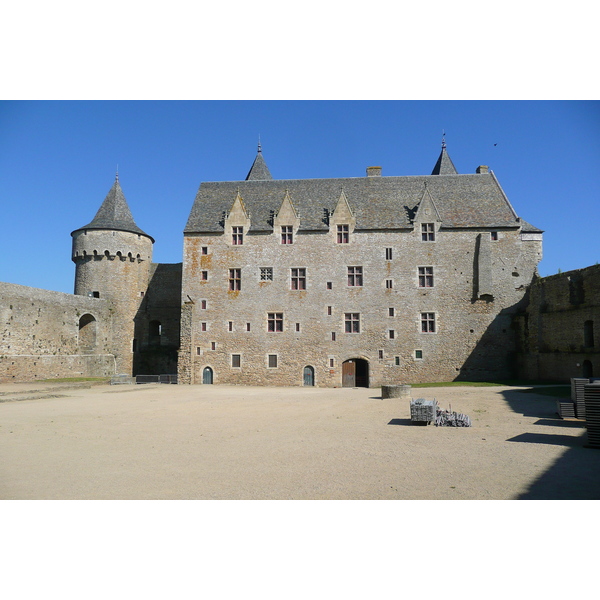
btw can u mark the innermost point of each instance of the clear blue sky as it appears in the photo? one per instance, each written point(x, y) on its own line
point(58, 160)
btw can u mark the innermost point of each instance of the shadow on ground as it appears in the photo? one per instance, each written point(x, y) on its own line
point(576, 474)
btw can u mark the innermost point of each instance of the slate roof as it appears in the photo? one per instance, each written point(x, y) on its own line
point(114, 213)
point(444, 164)
point(259, 169)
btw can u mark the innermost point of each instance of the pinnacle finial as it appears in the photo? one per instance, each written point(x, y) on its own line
point(117, 175)
point(259, 146)
point(443, 139)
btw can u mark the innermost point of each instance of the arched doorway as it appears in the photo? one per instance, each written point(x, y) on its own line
point(207, 376)
point(355, 373)
point(587, 369)
point(309, 375)
point(87, 334)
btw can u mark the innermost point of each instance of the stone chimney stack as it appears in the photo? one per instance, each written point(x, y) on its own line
point(373, 171)
point(482, 169)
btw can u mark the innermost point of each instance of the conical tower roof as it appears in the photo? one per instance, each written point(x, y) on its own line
point(444, 164)
point(259, 170)
point(114, 213)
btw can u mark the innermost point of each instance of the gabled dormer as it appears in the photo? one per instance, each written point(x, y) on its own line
point(427, 220)
point(237, 222)
point(342, 222)
point(286, 221)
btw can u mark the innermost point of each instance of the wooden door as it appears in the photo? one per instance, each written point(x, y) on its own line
point(349, 374)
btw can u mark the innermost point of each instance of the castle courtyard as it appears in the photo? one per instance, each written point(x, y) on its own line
point(60, 441)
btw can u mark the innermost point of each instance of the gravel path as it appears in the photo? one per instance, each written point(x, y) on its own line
point(228, 442)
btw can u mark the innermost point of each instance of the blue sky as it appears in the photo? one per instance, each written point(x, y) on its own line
point(58, 160)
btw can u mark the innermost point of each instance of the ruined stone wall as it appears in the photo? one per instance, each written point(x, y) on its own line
point(48, 334)
point(473, 338)
point(559, 331)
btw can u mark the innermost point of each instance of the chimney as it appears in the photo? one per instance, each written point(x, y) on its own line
point(373, 171)
point(482, 169)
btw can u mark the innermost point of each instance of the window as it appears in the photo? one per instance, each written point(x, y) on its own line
point(343, 235)
point(331, 363)
point(427, 232)
point(203, 326)
point(198, 351)
point(272, 361)
point(204, 250)
point(203, 304)
point(235, 280)
point(392, 334)
point(388, 254)
point(333, 336)
point(330, 285)
point(355, 276)
point(297, 326)
point(287, 235)
point(397, 361)
point(266, 273)
point(236, 360)
point(213, 345)
point(425, 277)
point(418, 354)
point(237, 236)
point(274, 321)
point(204, 275)
point(381, 355)
point(390, 312)
point(230, 326)
point(298, 279)
point(494, 236)
point(247, 326)
point(427, 322)
point(329, 310)
point(352, 322)
point(389, 284)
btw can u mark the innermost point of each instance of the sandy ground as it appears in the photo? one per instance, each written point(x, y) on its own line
point(226, 442)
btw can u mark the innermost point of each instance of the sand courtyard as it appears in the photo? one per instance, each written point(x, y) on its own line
point(251, 443)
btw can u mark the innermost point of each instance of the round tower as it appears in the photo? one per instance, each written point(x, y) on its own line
point(112, 257)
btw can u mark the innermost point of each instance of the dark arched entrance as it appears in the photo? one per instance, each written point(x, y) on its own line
point(587, 369)
point(355, 373)
point(309, 375)
point(87, 334)
point(207, 376)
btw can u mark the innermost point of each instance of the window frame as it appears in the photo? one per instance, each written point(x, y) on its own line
point(235, 280)
point(428, 232)
point(237, 235)
point(352, 322)
point(274, 322)
point(287, 235)
point(298, 278)
point(343, 234)
point(425, 277)
point(355, 276)
point(428, 322)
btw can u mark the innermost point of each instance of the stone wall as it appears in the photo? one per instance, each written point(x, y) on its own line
point(478, 285)
point(559, 331)
point(48, 334)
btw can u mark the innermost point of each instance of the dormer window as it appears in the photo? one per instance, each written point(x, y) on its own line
point(237, 236)
point(287, 236)
point(343, 234)
point(427, 232)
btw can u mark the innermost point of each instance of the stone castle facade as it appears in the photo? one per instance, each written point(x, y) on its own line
point(356, 281)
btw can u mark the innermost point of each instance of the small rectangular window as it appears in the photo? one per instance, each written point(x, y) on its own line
point(204, 275)
point(389, 284)
point(427, 322)
point(331, 363)
point(198, 351)
point(397, 361)
point(297, 326)
point(203, 304)
point(274, 321)
point(494, 236)
point(330, 285)
point(390, 312)
point(418, 354)
point(235, 280)
point(428, 232)
point(266, 273)
point(287, 234)
point(247, 326)
point(203, 326)
point(329, 310)
point(425, 277)
point(343, 234)
point(388, 254)
point(272, 361)
point(392, 334)
point(298, 281)
point(352, 322)
point(237, 236)
point(355, 276)
point(213, 345)
point(230, 325)
point(236, 360)
point(204, 250)
point(381, 355)
point(333, 336)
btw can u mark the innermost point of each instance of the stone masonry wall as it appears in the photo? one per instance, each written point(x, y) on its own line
point(48, 334)
point(473, 338)
point(559, 332)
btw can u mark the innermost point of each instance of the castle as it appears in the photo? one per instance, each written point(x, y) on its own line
point(329, 282)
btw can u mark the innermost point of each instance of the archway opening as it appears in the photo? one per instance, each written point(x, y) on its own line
point(87, 334)
point(587, 369)
point(355, 373)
